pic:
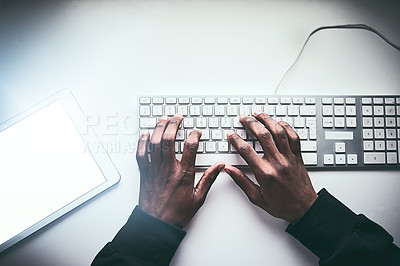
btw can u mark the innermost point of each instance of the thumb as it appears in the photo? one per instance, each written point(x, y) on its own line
point(251, 190)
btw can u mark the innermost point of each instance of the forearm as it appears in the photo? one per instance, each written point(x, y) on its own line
point(340, 237)
point(143, 240)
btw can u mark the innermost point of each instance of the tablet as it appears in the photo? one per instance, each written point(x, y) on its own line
point(46, 166)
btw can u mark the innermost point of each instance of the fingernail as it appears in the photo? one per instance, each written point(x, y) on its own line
point(178, 115)
point(144, 132)
point(257, 112)
point(228, 171)
point(164, 117)
point(230, 132)
point(221, 167)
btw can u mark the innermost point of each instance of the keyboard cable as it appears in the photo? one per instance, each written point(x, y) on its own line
point(345, 26)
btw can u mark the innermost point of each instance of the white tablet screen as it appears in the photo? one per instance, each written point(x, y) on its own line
point(43, 166)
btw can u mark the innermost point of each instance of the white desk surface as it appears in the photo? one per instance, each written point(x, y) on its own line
point(108, 52)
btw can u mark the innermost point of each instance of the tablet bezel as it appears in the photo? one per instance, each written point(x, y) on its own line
point(100, 156)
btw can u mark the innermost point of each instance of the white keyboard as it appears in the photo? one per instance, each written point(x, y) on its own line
point(336, 132)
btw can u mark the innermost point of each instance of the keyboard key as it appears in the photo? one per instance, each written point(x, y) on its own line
point(391, 157)
point(210, 146)
point(188, 122)
point(374, 158)
point(184, 100)
point(234, 100)
point(306, 110)
point(158, 100)
point(309, 158)
point(389, 100)
point(390, 110)
point(342, 135)
point(293, 110)
point(379, 122)
point(170, 110)
point(327, 122)
point(391, 145)
point(147, 122)
point(340, 159)
point(390, 133)
point(338, 100)
point(285, 100)
point(157, 110)
point(339, 122)
point(339, 110)
point(368, 134)
point(340, 147)
point(216, 134)
point(308, 145)
point(194, 110)
point(390, 122)
point(144, 100)
point(219, 110)
point(226, 122)
point(379, 145)
point(201, 122)
point(232, 110)
point(328, 159)
point(350, 110)
point(223, 146)
point(248, 100)
point(298, 100)
point(366, 101)
point(378, 100)
point(326, 100)
point(180, 134)
point(197, 100)
point(378, 110)
point(299, 122)
point(213, 122)
point(209, 100)
point(273, 100)
point(170, 100)
point(309, 100)
point(350, 100)
point(352, 159)
point(260, 100)
point(201, 147)
point(368, 145)
point(379, 133)
point(207, 110)
point(222, 100)
point(327, 110)
point(351, 122)
point(183, 110)
point(367, 121)
point(205, 134)
point(144, 110)
point(367, 110)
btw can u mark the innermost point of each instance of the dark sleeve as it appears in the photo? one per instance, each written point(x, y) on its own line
point(340, 237)
point(143, 240)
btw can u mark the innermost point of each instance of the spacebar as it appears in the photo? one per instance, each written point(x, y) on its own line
point(207, 159)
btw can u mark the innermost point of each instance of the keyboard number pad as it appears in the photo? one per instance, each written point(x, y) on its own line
point(380, 131)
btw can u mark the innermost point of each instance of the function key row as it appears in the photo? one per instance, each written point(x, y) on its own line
point(227, 100)
point(382, 100)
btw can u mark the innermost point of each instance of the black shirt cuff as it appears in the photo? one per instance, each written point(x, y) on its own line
point(148, 239)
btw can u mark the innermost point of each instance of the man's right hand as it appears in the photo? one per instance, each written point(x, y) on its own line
point(284, 188)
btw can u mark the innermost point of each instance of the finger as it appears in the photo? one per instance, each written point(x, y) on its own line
point(168, 138)
point(190, 149)
point(155, 140)
point(251, 190)
point(278, 132)
point(245, 150)
point(294, 140)
point(141, 153)
point(262, 134)
point(206, 181)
